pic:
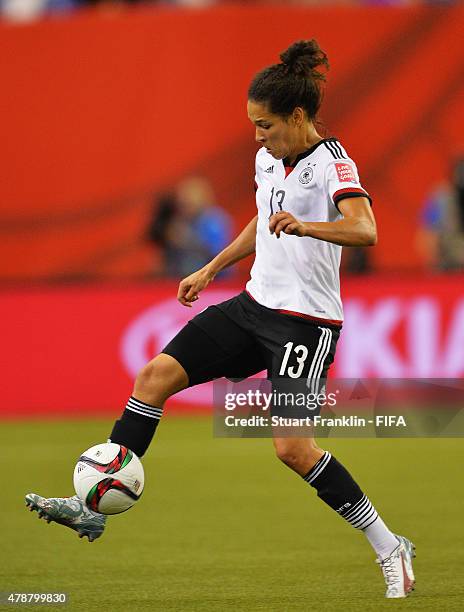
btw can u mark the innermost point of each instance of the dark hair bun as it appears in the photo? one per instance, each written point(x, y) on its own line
point(297, 81)
point(303, 57)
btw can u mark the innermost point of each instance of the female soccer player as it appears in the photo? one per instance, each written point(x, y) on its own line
point(310, 204)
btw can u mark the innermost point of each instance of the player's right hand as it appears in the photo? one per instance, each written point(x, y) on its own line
point(190, 287)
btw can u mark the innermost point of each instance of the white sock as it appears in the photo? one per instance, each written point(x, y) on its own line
point(381, 538)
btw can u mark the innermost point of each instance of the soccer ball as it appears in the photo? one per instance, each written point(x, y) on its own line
point(109, 478)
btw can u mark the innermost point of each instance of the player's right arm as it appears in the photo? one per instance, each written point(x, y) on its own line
point(241, 247)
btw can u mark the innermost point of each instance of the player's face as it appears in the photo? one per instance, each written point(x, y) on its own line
point(278, 134)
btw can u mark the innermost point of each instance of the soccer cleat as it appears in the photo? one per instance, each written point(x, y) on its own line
point(397, 569)
point(68, 511)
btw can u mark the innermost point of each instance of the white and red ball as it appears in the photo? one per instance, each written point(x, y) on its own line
point(109, 478)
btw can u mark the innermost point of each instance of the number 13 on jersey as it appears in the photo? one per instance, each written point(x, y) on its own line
point(277, 198)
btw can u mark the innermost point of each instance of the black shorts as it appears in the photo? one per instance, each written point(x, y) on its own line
point(239, 338)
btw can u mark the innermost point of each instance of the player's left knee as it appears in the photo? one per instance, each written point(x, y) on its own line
point(297, 455)
point(290, 454)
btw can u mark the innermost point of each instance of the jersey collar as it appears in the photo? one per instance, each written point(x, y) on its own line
point(301, 156)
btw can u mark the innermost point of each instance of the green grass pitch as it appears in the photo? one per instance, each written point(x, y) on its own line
point(222, 525)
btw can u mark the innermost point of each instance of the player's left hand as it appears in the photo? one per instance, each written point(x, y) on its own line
point(285, 222)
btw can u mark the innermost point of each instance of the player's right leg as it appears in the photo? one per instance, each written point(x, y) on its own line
point(208, 347)
point(159, 379)
point(162, 377)
point(68, 511)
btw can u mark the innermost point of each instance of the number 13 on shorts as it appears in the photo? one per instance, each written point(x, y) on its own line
point(315, 358)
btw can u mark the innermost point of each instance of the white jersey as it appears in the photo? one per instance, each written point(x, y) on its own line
point(300, 275)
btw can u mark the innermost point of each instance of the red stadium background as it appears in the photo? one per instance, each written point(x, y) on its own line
point(103, 110)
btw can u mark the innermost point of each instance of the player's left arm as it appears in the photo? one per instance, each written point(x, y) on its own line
point(357, 228)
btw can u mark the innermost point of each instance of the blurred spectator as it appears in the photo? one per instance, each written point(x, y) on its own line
point(440, 238)
point(356, 260)
point(163, 213)
point(26, 10)
point(193, 3)
point(189, 227)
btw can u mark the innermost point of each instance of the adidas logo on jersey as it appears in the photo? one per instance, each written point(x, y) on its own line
point(270, 170)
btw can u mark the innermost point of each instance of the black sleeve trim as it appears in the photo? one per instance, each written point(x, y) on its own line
point(350, 194)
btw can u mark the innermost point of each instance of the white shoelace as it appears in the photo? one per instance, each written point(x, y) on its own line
point(388, 569)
